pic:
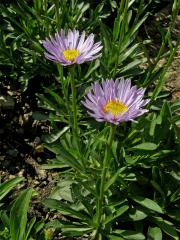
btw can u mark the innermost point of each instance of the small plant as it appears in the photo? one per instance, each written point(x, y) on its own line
point(14, 223)
point(106, 171)
point(115, 133)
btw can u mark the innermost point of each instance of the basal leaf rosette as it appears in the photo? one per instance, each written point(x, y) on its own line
point(115, 101)
point(73, 48)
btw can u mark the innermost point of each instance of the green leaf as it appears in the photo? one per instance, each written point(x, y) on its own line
point(175, 196)
point(82, 9)
point(128, 52)
point(79, 195)
point(5, 219)
point(148, 203)
point(175, 107)
point(18, 215)
point(133, 64)
point(50, 138)
point(174, 213)
point(158, 188)
point(139, 23)
point(112, 180)
point(54, 163)
point(64, 156)
point(56, 96)
point(54, 224)
point(116, 28)
point(38, 226)
point(166, 227)
point(65, 209)
point(7, 186)
point(62, 190)
point(154, 233)
point(165, 111)
point(112, 237)
point(29, 227)
point(75, 230)
point(129, 235)
point(153, 123)
point(145, 146)
point(137, 214)
point(93, 66)
point(118, 213)
point(89, 186)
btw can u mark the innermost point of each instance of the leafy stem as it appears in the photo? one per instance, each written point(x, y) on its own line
point(64, 90)
point(104, 172)
point(74, 106)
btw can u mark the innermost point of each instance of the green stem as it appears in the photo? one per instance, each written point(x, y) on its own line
point(58, 23)
point(74, 106)
point(148, 80)
point(104, 172)
point(64, 89)
point(162, 78)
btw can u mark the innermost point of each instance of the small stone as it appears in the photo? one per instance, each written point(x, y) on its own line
point(7, 102)
point(12, 152)
point(2, 158)
point(36, 182)
point(37, 140)
point(11, 176)
point(21, 173)
point(39, 160)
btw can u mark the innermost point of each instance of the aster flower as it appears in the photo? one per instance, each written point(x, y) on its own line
point(115, 101)
point(71, 48)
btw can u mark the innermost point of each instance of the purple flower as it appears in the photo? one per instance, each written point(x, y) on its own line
point(71, 48)
point(115, 101)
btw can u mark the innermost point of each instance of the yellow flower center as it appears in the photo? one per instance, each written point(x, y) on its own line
point(115, 107)
point(71, 54)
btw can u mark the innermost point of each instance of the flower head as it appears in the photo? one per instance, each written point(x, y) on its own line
point(115, 101)
point(71, 48)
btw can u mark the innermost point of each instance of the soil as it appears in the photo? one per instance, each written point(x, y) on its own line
point(21, 150)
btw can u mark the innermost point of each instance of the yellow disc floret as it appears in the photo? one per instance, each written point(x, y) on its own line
point(115, 107)
point(71, 54)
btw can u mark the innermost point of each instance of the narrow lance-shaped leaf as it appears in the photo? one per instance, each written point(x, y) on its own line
point(18, 215)
point(129, 235)
point(118, 213)
point(50, 138)
point(6, 187)
point(112, 180)
point(148, 203)
point(75, 230)
point(166, 227)
point(29, 228)
point(145, 146)
point(65, 208)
